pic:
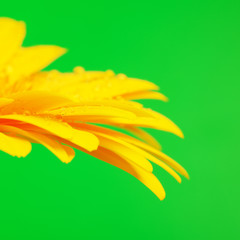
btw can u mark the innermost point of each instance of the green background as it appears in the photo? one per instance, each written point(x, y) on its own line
point(192, 50)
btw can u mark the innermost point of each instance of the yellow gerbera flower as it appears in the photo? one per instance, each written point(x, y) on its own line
point(61, 110)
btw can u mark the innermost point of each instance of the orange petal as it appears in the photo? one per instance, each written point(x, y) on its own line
point(147, 178)
point(81, 138)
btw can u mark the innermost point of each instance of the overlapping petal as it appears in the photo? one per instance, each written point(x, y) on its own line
point(77, 110)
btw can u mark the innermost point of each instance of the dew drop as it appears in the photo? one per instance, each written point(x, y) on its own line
point(78, 70)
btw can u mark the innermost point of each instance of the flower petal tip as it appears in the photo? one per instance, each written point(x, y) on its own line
point(162, 197)
point(180, 134)
point(187, 176)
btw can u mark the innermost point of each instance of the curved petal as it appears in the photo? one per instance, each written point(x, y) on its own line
point(5, 101)
point(143, 135)
point(84, 139)
point(126, 147)
point(62, 152)
point(139, 144)
point(147, 178)
point(125, 152)
point(12, 34)
point(14, 146)
point(82, 113)
point(145, 95)
point(32, 59)
point(163, 124)
point(34, 102)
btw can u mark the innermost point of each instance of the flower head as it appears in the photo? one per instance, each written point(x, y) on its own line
point(63, 111)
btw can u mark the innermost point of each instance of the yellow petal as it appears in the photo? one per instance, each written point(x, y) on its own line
point(145, 95)
point(163, 124)
point(70, 152)
point(14, 146)
point(90, 112)
point(176, 166)
point(143, 135)
point(85, 87)
point(104, 89)
point(34, 102)
point(61, 151)
point(124, 152)
point(81, 138)
point(122, 147)
point(133, 107)
point(128, 139)
point(147, 178)
point(12, 34)
point(32, 59)
point(120, 161)
point(100, 88)
point(144, 117)
point(5, 101)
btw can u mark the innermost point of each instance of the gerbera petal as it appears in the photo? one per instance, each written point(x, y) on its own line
point(90, 112)
point(125, 152)
point(144, 118)
point(62, 152)
point(103, 89)
point(145, 95)
point(147, 178)
point(164, 125)
point(14, 146)
point(32, 59)
point(133, 107)
point(70, 152)
point(95, 89)
point(107, 88)
point(129, 141)
point(5, 101)
point(81, 138)
point(176, 166)
point(143, 135)
point(12, 34)
point(122, 146)
point(34, 102)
